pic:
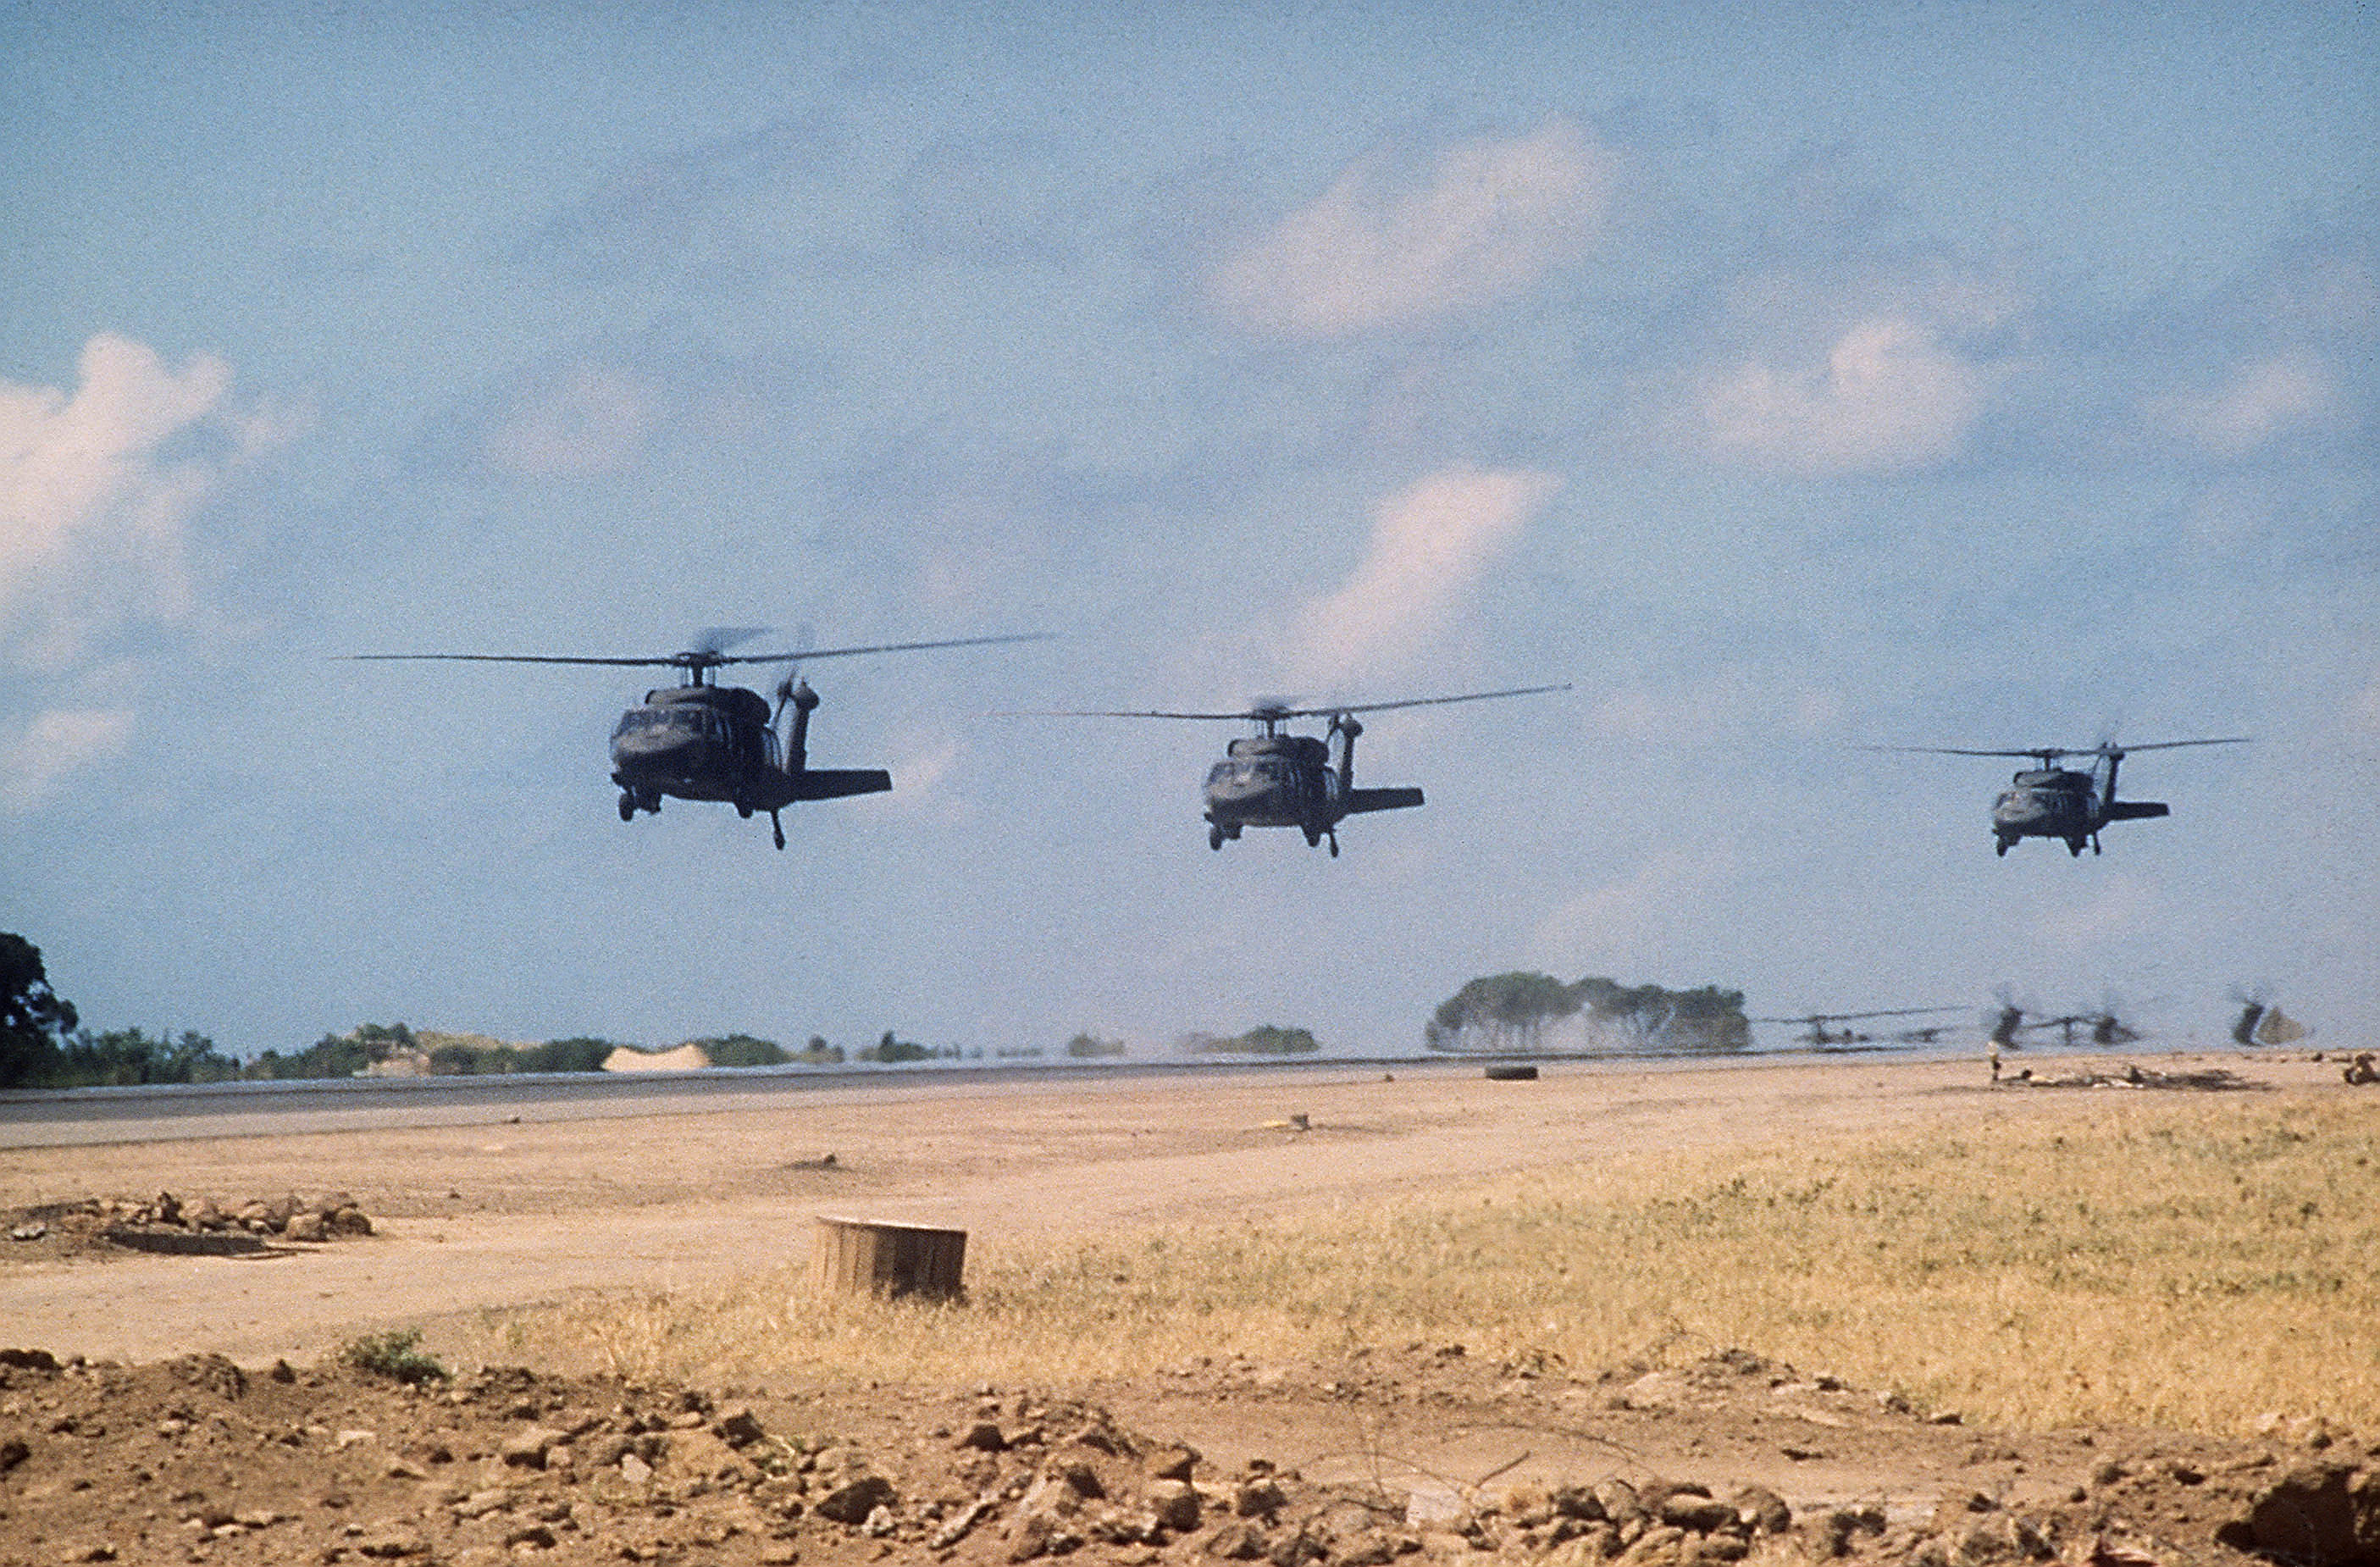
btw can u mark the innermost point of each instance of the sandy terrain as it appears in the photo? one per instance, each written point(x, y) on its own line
point(1415, 1450)
point(508, 1213)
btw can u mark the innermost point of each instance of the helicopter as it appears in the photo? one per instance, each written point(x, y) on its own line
point(1276, 780)
point(1820, 1038)
point(2051, 801)
point(700, 740)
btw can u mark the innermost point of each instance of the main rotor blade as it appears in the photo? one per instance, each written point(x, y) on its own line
point(804, 655)
point(511, 658)
point(2170, 744)
point(1260, 714)
point(1961, 751)
point(704, 658)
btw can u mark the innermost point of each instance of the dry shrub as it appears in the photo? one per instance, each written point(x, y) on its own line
point(2185, 1263)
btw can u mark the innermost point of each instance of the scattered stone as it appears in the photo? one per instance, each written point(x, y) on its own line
point(1173, 1463)
point(736, 1425)
point(1174, 1504)
point(854, 1501)
point(984, 1437)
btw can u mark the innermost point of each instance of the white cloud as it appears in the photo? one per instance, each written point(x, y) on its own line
point(1629, 924)
point(1890, 396)
point(1430, 544)
point(93, 509)
point(2259, 403)
point(55, 744)
point(1489, 221)
point(591, 420)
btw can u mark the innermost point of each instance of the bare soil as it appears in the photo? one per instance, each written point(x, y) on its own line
point(151, 1412)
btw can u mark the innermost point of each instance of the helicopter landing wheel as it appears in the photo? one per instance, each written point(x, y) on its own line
point(1313, 839)
point(1334, 845)
point(1215, 839)
point(2000, 848)
point(627, 806)
point(744, 810)
point(2074, 847)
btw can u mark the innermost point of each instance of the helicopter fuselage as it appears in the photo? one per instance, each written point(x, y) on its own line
point(2058, 802)
point(1291, 781)
point(705, 742)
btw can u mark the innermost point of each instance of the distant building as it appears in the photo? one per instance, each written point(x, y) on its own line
point(685, 1058)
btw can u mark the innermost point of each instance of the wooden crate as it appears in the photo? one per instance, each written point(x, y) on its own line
point(858, 1256)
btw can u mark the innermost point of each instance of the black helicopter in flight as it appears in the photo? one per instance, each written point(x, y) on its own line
point(1276, 780)
point(2050, 801)
point(702, 741)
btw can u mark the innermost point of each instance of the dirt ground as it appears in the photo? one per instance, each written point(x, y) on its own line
point(150, 1411)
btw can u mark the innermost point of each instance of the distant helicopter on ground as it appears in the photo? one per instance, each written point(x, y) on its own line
point(1277, 780)
point(1819, 1036)
point(2007, 1024)
point(2264, 1023)
point(2051, 801)
point(704, 741)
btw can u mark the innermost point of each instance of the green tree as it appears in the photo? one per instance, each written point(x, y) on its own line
point(127, 1057)
point(1500, 1012)
point(33, 1016)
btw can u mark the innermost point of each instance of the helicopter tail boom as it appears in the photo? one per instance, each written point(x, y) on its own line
point(2134, 810)
point(834, 784)
point(1361, 800)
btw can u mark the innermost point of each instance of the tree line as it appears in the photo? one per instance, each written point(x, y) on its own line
point(1499, 1013)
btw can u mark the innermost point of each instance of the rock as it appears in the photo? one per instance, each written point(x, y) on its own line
point(330, 1203)
point(1081, 1479)
point(1174, 1504)
point(852, 1501)
point(984, 1437)
point(12, 1453)
point(306, 1227)
point(698, 1453)
point(634, 1470)
point(1577, 1502)
point(29, 1232)
point(1236, 1542)
point(736, 1425)
point(167, 1209)
point(1763, 1510)
point(478, 1504)
point(1175, 1463)
point(1698, 1514)
point(348, 1221)
point(1619, 1501)
point(1259, 1497)
point(2316, 1512)
point(204, 1215)
point(527, 1450)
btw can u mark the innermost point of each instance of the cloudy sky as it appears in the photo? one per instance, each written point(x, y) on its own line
point(1791, 379)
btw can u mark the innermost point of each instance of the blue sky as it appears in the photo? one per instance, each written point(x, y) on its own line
point(1790, 381)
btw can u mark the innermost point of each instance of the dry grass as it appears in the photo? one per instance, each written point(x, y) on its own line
point(2191, 1263)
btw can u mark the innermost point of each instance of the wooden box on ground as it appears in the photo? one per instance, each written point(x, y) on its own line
point(855, 1257)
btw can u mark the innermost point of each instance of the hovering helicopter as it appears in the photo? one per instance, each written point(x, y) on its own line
point(1276, 780)
point(1819, 1036)
point(2051, 801)
point(703, 741)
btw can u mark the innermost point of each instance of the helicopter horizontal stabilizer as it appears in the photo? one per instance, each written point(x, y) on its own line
point(1361, 800)
point(833, 784)
point(2133, 810)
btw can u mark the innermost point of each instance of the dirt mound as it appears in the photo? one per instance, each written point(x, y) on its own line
point(92, 1226)
point(196, 1460)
